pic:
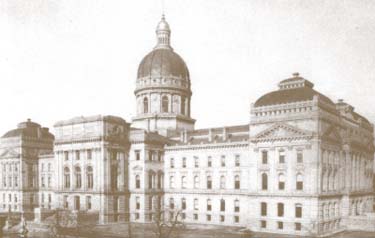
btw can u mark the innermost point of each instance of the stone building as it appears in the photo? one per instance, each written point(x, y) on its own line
point(303, 164)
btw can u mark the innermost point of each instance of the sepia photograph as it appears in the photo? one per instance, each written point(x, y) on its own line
point(187, 118)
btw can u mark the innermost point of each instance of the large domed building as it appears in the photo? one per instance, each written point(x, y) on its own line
point(163, 90)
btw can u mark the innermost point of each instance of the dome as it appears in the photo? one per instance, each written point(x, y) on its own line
point(163, 63)
point(29, 129)
point(295, 89)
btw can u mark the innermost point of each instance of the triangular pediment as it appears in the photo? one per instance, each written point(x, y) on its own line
point(282, 131)
point(137, 167)
point(9, 153)
point(332, 134)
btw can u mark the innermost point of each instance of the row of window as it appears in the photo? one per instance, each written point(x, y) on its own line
point(164, 105)
point(282, 181)
point(78, 177)
point(10, 166)
point(280, 209)
point(152, 155)
point(282, 157)
point(43, 182)
point(237, 161)
point(77, 202)
point(15, 197)
point(209, 183)
point(78, 153)
point(49, 168)
point(10, 182)
point(280, 225)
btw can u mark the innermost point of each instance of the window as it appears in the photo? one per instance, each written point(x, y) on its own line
point(195, 204)
point(137, 203)
point(184, 162)
point(66, 177)
point(299, 156)
point(263, 209)
point(90, 177)
point(137, 155)
point(150, 180)
point(236, 219)
point(222, 182)
point(264, 181)
point(223, 161)
point(280, 225)
point(236, 182)
point(209, 182)
point(172, 163)
point(236, 205)
point(299, 182)
point(209, 161)
point(196, 162)
point(183, 105)
point(237, 161)
point(137, 181)
point(264, 157)
point(196, 182)
point(150, 155)
point(171, 182)
point(89, 154)
point(65, 201)
point(49, 198)
point(43, 184)
point(281, 156)
point(165, 104)
point(145, 105)
point(171, 203)
point(209, 206)
point(183, 216)
point(78, 176)
point(183, 182)
point(78, 155)
point(281, 181)
point(183, 204)
point(222, 218)
point(195, 216)
point(88, 203)
point(280, 209)
point(136, 216)
point(298, 210)
point(298, 226)
point(208, 217)
point(222, 205)
point(114, 176)
point(66, 155)
point(263, 224)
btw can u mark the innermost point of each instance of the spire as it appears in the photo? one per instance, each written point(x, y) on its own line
point(163, 34)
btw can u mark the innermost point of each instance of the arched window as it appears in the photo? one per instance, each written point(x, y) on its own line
point(299, 182)
point(90, 177)
point(298, 210)
point(137, 181)
point(209, 182)
point(280, 209)
point(78, 177)
point(264, 181)
point(183, 182)
point(145, 105)
point(171, 182)
point(237, 182)
point(281, 181)
point(66, 177)
point(183, 106)
point(222, 182)
point(196, 182)
point(165, 104)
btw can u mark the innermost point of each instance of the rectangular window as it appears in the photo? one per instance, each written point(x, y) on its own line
point(195, 216)
point(264, 157)
point(281, 157)
point(298, 211)
point(171, 163)
point(281, 185)
point(237, 161)
point(298, 226)
point(223, 161)
point(89, 154)
point(184, 162)
point(263, 224)
point(183, 216)
point(236, 219)
point(280, 225)
point(65, 201)
point(195, 204)
point(299, 185)
point(263, 209)
point(66, 155)
point(88, 203)
point(137, 203)
point(150, 155)
point(209, 206)
point(222, 205)
point(208, 217)
point(137, 155)
point(299, 156)
point(136, 216)
point(280, 209)
point(77, 155)
point(209, 161)
point(222, 218)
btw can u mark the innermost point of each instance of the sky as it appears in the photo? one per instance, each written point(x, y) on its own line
point(65, 58)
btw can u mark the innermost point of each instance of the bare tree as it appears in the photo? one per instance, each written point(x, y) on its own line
point(167, 222)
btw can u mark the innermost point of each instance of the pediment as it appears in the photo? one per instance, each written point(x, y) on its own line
point(282, 131)
point(137, 167)
point(332, 134)
point(9, 153)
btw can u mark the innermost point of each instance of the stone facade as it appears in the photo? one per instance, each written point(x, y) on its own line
point(303, 165)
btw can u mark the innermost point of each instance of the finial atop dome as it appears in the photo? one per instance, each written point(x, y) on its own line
point(163, 33)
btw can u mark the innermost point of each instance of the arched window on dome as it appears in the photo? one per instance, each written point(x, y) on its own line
point(165, 104)
point(145, 105)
